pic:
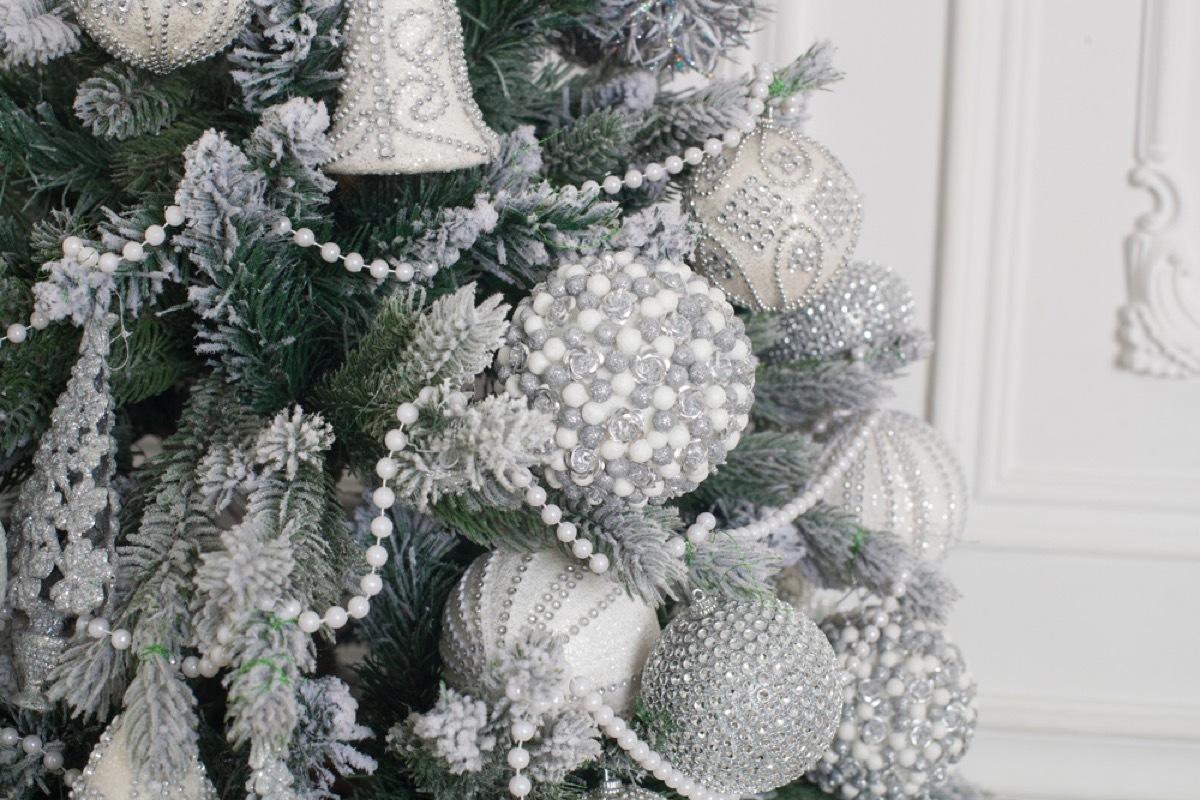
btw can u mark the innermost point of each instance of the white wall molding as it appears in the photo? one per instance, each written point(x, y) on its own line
point(1159, 329)
point(1096, 716)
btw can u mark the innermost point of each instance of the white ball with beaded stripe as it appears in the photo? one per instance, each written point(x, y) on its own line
point(607, 633)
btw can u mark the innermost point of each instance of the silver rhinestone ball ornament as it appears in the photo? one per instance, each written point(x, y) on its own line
point(905, 480)
point(778, 217)
point(751, 694)
point(863, 307)
point(607, 634)
point(910, 710)
point(162, 35)
point(646, 369)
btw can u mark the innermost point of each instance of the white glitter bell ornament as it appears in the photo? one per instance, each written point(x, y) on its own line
point(607, 634)
point(110, 775)
point(910, 711)
point(162, 35)
point(778, 217)
point(864, 306)
point(406, 104)
point(905, 480)
point(646, 368)
point(753, 693)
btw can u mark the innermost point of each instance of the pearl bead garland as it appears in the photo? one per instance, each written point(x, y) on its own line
point(32, 745)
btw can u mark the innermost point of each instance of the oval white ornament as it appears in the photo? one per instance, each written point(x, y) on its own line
point(607, 634)
point(162, 35)
point(905, 480)
point(778, 217)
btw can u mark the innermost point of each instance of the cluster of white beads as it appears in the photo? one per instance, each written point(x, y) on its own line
point(74, 248)
point(32, 745)
point(758, 95)
point(331, 252)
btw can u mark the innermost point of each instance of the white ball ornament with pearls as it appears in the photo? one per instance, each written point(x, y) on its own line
point(646, 368)
point(112, 775)
point(160, 35)
point(607, 633)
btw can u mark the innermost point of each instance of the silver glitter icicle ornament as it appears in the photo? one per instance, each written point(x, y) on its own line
point(910, 710)
point(753, 693)
point(778, 216)
point(865, 306)
point(65, 522)
point(162, 35)
point(406, 104)
point(905, 480)
point(111, 775)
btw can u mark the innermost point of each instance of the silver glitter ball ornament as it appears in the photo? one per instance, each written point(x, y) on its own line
point(615, 789)
point(906, 480)
point(606, 633)
point(863, 307)
point(778, 217)
point(910, 711)
point(654, 361)
point(752, 691)
point(162, 35)
point(406, 103)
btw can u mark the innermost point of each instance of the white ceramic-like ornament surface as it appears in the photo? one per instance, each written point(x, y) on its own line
point(778, 215)
point(406, 103)
point(607, 634)
point(162, 35)
point(110, 775)
point(906, 480)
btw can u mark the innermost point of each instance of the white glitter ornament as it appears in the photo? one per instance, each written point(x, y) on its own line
point(406, 104)
point(607, 634)
point(646, 368)
point(865, 306)
point(110, 775)
point(910, 712)
point(778, 217)
point(162, 35)
point(906, 480)
point(752, 691)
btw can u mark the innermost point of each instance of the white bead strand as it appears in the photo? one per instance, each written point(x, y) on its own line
point(32, 745)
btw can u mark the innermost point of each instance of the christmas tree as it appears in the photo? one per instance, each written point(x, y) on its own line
point(403, 398)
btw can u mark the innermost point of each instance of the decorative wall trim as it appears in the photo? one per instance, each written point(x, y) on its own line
point(1098, 717)
point(1159, 326)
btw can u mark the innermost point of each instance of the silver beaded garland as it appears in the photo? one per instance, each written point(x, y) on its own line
point(778, 217)
point(910, 710)
point(752, 691)
point(161, 35)
point(862, 307)
point(646, 368)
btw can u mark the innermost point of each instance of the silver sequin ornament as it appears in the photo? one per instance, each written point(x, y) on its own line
point(615, 789)
point(406, 104)
point(66, 519)
point(778, 216)
point(162, 35)
point(646, 368)
point(865, 306)
point(752, 692)
point(607, 633)
point(111, 775)
point(910, 710)
point(905, 480)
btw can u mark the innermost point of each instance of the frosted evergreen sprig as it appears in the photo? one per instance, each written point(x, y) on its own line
point(34, 32)
point(120, 102)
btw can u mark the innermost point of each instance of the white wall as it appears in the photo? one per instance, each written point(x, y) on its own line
point(992, 142)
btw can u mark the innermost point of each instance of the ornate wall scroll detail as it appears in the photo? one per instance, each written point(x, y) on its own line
point(1159, 328)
